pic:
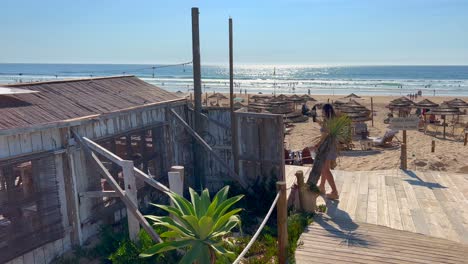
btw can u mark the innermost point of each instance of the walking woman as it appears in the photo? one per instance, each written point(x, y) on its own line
point(328, 113)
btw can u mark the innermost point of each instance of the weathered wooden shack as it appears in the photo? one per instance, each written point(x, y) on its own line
point(53, 197)
point(49, 196)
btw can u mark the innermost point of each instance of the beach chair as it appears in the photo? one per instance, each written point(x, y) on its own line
point(385, 141)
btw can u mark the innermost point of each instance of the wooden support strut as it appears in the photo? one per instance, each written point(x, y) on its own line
point(131, 206)
point(282, 220)
point(205, 145)
point(116, 159)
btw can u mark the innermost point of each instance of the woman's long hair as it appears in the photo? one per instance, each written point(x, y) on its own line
point(328, 111)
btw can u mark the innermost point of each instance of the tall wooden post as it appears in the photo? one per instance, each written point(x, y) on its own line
point(403, 157)
point(231, 90)
point(282, 220)
point(197, 89)
point(372, 110)
point(404, 153)
point(300, 187)
point(131, 193)
point(433, 146)
point(466, 138)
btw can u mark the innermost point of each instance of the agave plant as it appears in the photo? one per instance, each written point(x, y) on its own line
point(197, 226)
point(337, 130)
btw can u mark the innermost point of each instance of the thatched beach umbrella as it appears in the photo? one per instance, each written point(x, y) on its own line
point(426, 103)
point(402, 99)
point(308, 98)
point(443, 110)
point(458, 103)
point(282, 97)
point(217, 96)
point(352, 96)
point(338, 102)
point(352, 104)
point(403, 106)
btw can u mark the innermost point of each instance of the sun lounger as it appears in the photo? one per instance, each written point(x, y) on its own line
point(386, 140)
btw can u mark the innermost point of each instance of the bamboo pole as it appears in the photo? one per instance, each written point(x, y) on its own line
point(433, 146)
point(300, 187)
point(372, 110)
point(282, 220)
point(466, 139)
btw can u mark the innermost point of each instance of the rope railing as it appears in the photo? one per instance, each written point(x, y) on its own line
point(280, 202)
point(260, 228)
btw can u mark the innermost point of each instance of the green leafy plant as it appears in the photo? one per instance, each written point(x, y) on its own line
point(336, 130)
point(322, 208)
point(128, 251)
point(197, 226)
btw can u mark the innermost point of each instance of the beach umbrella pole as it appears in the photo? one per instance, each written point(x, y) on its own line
point(444, 125)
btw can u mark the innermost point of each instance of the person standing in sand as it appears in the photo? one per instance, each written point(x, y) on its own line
point(326, 176)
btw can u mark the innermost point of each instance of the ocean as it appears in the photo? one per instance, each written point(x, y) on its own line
point(267, 79)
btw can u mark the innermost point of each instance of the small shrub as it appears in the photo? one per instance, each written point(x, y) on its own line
point(322, 208)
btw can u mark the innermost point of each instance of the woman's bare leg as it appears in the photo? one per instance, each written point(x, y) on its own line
point(323, 178)
point(328, 176)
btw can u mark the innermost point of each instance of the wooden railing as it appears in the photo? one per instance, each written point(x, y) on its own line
point(280, 202)
point(128, 196)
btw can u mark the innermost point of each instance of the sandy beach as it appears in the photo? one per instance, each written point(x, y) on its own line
point(450, 154)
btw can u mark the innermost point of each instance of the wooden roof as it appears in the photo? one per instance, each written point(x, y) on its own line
point(70, 99)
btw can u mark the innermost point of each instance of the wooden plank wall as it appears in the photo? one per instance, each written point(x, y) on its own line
point(219, 138)
point(52, 139)
point(260, 145)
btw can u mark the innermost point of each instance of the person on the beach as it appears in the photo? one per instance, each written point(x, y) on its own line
point(313, 113)
point(328, 113)
point(305, 110)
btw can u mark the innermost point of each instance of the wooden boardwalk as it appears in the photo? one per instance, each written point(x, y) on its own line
point(433, 204)
point(341, 241)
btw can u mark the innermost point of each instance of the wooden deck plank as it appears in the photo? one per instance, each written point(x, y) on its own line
point(344, 242)
point(427, 205)
point(382, 205)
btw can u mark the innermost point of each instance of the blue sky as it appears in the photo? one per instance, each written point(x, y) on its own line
point(265, 32)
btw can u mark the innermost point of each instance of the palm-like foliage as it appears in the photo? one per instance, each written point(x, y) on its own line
point(337, 130)
point(197, 226)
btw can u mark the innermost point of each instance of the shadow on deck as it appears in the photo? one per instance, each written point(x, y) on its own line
point(390, 216)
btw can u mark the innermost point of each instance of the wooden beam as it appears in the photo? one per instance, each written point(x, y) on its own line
point(102, 151)
point(150, 181)
point(116, 159)
point(205, 145)
point(98, 194)
point(131, 193)
point(132, 208)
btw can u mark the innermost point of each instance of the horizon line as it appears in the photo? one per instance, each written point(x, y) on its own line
point(245, 64)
